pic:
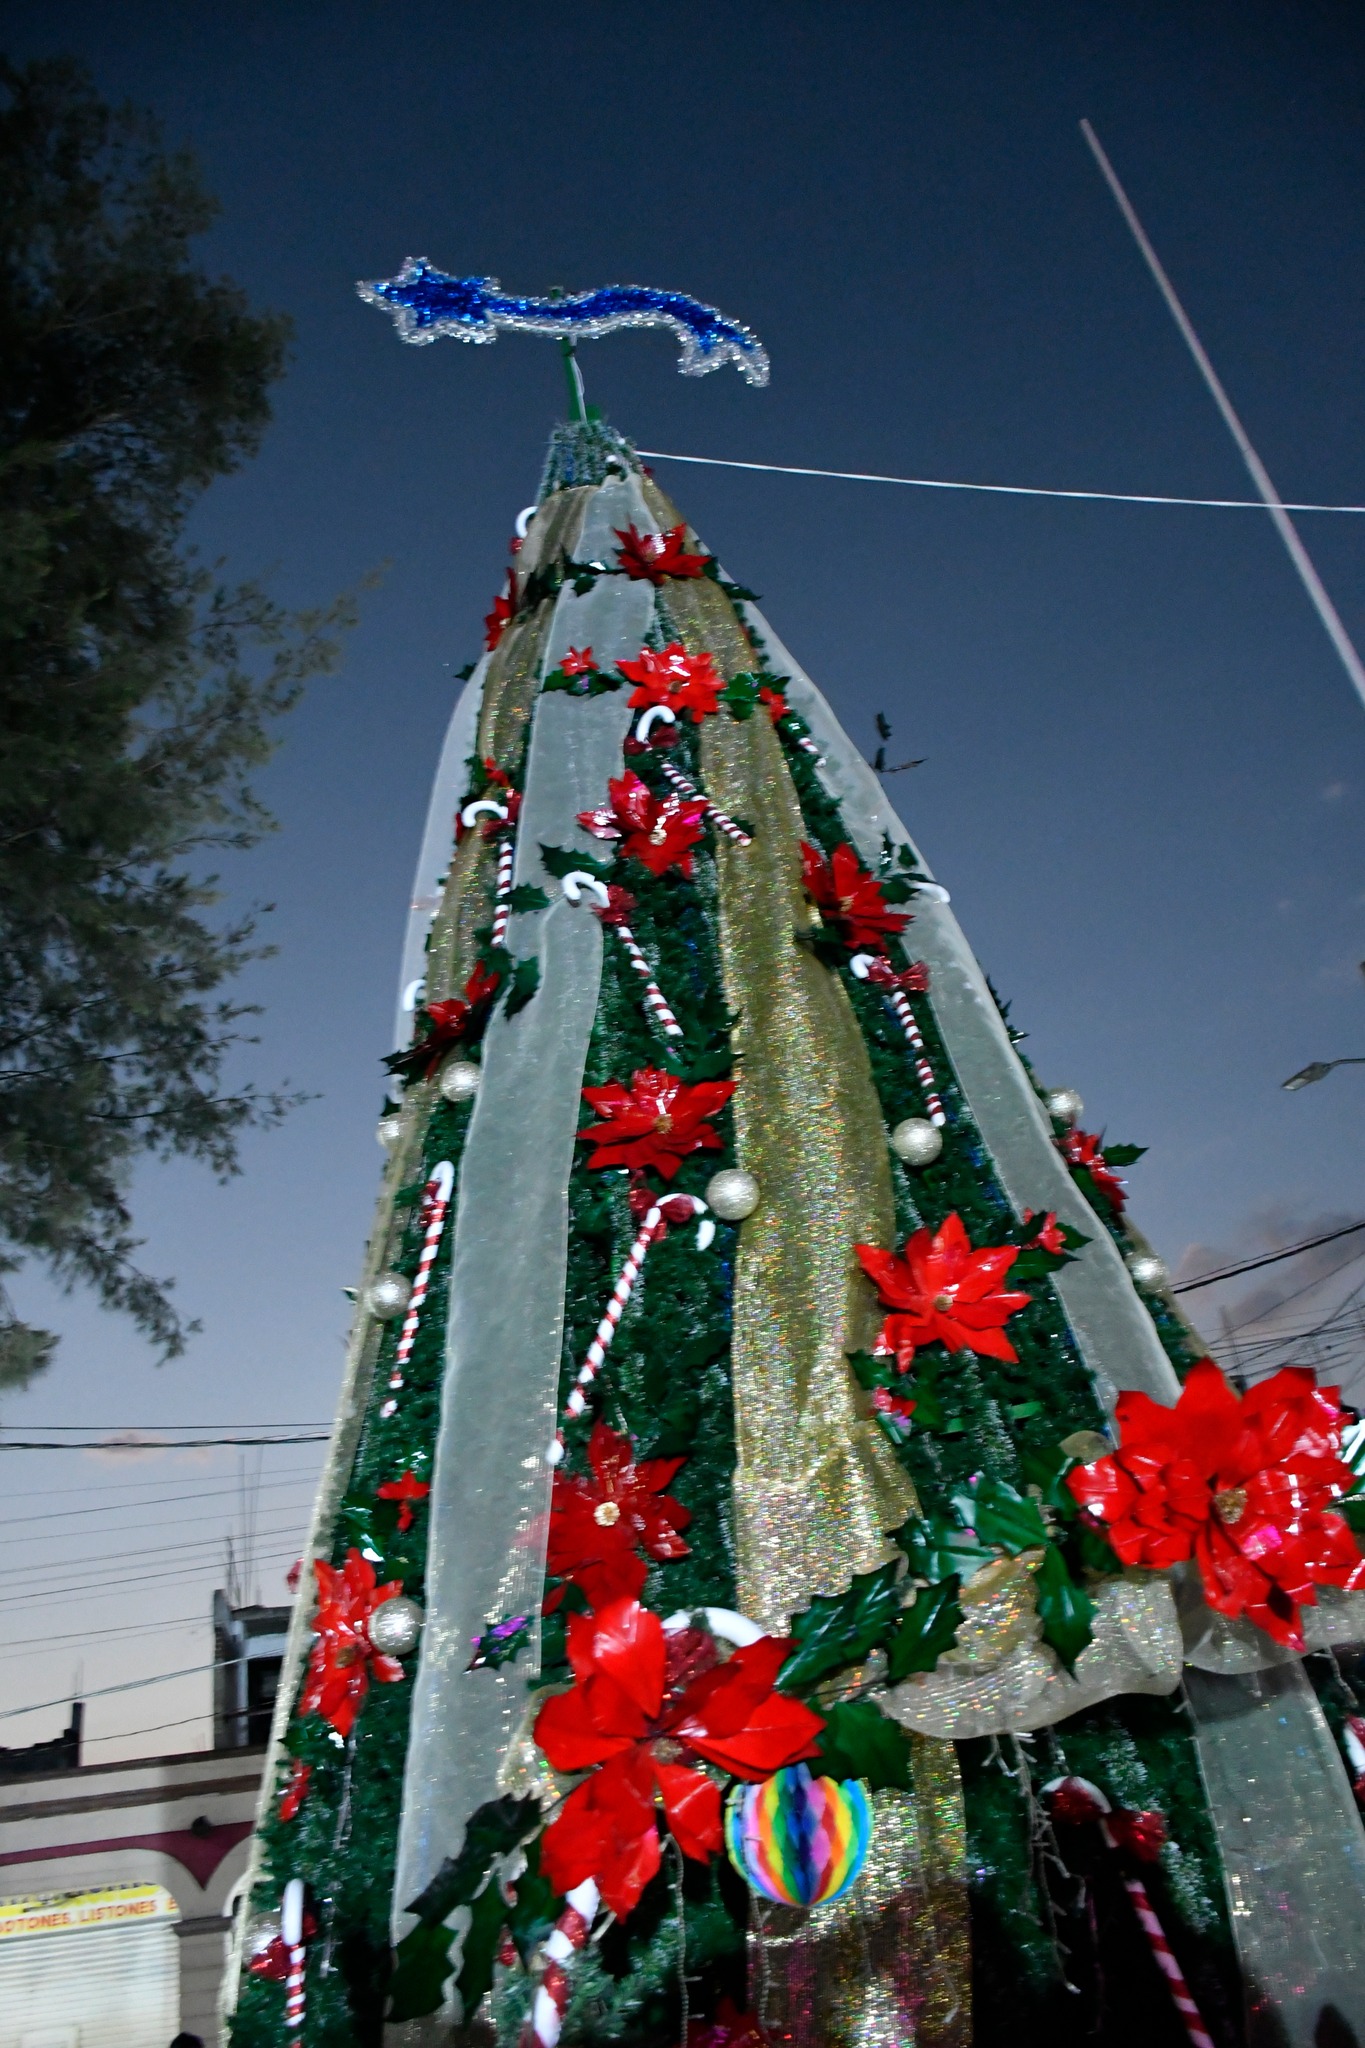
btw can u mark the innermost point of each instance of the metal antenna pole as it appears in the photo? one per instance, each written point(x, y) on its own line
point(1270, 497)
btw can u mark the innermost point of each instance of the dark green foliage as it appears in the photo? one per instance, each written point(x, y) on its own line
point(927, 1628)
point(859, 1741)
point(365, 1781)
point(840, 1629)
point(469, 1879)
point(139, 694)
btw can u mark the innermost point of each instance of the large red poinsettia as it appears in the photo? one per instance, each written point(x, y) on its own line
point(676, 679)
point(655, 1122)
point(344, 1660)
point(449, 1022)
point(499, 619)
point(1244, 1486)
point(1083, 1148)
point(599, 1525)
point(942, 1292)
point(849, 901)
point(650, 557)
point(645, 1708)
point(659, 833)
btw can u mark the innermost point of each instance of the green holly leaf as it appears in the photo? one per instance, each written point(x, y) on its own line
point(1065, 1610)
point(417, 1986)
point(495, 1829)
point(1035, 1262)
point(860, 1741)
point(566, 860)
point(839, 1629)
point(1002, 1518)
point(740, 695)
point(524, 983)
point(489, 1917)
point(897, 890)
point(1353, 1509)
point(937, 1549)
point(872, 1369)
point(1123, 1155)
point(526, 896)
point(501, 1644)
point(926, 1630)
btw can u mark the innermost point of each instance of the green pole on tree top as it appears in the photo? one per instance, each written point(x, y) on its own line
point(573, 377)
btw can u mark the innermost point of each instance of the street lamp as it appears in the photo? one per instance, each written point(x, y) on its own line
point(1318, 1070)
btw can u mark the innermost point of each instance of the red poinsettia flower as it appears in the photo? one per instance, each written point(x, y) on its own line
point(676, 679)
point(498, 620)
point(943, 1292)
point(849, 901)
point(1082, 1148)
point(296, 1791)
point(1245, 1486)
point(659, 833)
point(1049, 1236)
point(599, 1525)
point(730, 2028)
point(775, 700)
point(650, 557)
point(449, 1022)
point(641, 1704)
point(578, 661)
point(343, 1660)
point(655, 1122)
point(405, 1491)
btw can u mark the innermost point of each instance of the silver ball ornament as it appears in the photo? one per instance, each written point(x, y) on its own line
point(388, 1297)
point(1065, 1105)
point(459, 1080)
point(1147, 1269)
point(395, 1626)
point(732, 1194)
point(917, 1141)
point(389, 1130)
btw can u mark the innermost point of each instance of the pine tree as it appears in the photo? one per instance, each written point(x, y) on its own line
point(139, 692)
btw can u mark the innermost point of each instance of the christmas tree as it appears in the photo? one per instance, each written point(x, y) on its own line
point(784, 1571)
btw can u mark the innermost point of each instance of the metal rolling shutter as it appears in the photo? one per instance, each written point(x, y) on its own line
point(88, 1984)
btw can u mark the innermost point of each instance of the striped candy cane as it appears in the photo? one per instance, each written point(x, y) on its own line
point(565, 1940)
point(1078, 1800)
point(437, 1199)
point(502, 891)
point(650, 1228)
point(717, 817)
point(573, 886)
point(291, 1933)
point(862, 964)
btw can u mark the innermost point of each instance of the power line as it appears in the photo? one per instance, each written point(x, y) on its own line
point(162, 1443)
point(131, 1734)
point(49, 1493)
point(128, 1685)
point(1268, 1259)
point(61, 1566)
point(166, 1500)
point(90, 1635)
point(938, 483)
point(72, 1428)
point(192, 1571)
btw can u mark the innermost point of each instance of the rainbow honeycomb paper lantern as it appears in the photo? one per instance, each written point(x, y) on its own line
point(798, 1840)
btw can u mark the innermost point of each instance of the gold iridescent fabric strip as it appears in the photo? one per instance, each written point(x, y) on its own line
point(816, 1486)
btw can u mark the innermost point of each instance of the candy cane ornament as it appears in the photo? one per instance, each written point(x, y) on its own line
point(865, 967)
point(720, 819)
point(291, 1933)
point(436, 1199)
point(502, 886)
point(651, 1227)
point(1077, 1800)
point(574, 886)
point(562, 1944)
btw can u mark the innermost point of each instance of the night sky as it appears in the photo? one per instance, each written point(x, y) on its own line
point(1144, 780)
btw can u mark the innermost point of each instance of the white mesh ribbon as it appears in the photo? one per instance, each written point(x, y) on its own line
point(490, 1482)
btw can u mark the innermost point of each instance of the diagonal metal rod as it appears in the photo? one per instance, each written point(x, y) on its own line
point(1270, 497)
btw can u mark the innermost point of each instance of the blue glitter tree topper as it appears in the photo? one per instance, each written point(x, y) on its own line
point(426, 303)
